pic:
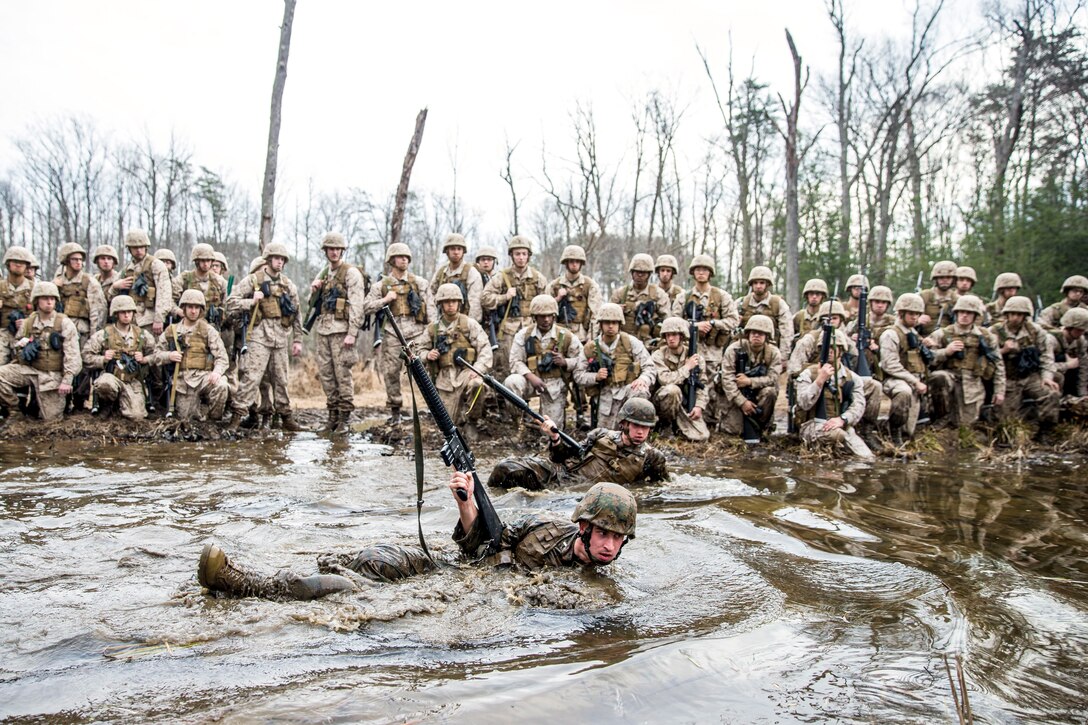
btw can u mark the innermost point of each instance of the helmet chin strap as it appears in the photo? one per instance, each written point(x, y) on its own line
point(585, 537)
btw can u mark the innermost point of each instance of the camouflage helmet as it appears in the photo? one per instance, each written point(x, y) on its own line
point(202, 251)
point(222, 259)
point(136, 238)
point(520, 241)
point(44, 289)
point(610, 312)
point(256, 263)
point(68, 249)
point(816, 285)
point(1075, 281)
point(857, 280)
point(702, 260)
point(33, 264)
point(165, 255)
point(192, 297)
point(486, 251)
point(832, 307)
point(122, 303)
point(277, 249)
point(910, 302)
point(969, 303)
point(761, 272)
point(18, 254)
point(966, 272)
point(1006, 280)
point(454, 240)
point(641, 263)
point(1076, 317)
point(880, 293)
point(639, 411)
point(608, 506)
point(668, 261)
point(1020, 304)
point(334, 240)
point(944, 268)
point(573, 252)
point(675, 324)
point(105, 250)
point(448, 291)
point(543, 305)
point(397, 249)
point(760, 323)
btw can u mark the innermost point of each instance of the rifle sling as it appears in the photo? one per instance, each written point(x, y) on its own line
point(417, 435)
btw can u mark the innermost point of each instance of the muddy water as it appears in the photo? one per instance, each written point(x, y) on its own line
point(765, 590)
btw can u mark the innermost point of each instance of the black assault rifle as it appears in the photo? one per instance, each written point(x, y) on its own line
point(694, 313)
point(827, 331)
point(455, 451)
point(520, 403)
point(752, 431)
point(865, 335)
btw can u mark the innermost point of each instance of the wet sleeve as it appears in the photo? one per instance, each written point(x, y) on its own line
point(655, 467)
point(889, 358)
point(649, 371)
point(664, 375)
point(491, 297)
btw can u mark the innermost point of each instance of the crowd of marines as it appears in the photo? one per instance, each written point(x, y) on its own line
point(199, 344)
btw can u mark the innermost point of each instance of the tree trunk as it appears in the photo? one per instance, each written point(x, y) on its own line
point(793, 231)
point(401, 201)
point(268, 192)
point(914, 167)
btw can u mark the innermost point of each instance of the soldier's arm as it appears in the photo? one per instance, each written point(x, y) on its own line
point(649, 371)
point(889, 358)
point(1046, 354)
point(475, 286)
point(492, 296)
point(296, 324)
point(664, 375)
point(559, 451)
point(618, 295)
point(663, 305)
point(484, 358)
point(218, 351)
point(175, 295)
point(164, 303)
point(595, 298)
point(581, 375)
point(799, 358)
point(73, 363)
point(999, 374)
point(148, 346)
point(241, 300)
point(97, 299)
point(374, 299)
point(808, 392)
point(574, 351)
point(92, 351)
point(774, 370)
point(356, 300)
point(655, 467)
point(518, 357)
point(729, 376)
point(853, 414)
point(785, 330)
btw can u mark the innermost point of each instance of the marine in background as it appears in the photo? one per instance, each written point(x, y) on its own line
point(15, 304)
point(147, 281)
point(342, 295)
point(1074, 291)
point(666, 268)
point(459, 272)
point(761, 301)
point(1006, 286)
point(903, 367)
point(748, 380)
point(613, 368)
point(645, 306)
point(194, 346)
point(940, 298)
point(966, 279)
point(966, 360)
point(830, 403)
point(1029, 366)
point(543, 358)
point(106, 261)
point(854, 285)
point(507, 296)
point(807, 318)
point(577, 296)
point(675, 368)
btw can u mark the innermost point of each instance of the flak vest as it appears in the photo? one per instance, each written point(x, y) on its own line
point(116, 341)
point(214, 294)
point(578, 295)
point(910, 358)
point(270, 305)
point(196, 353)
point(337, 284)
point(1061, 355)
point(460, 279)
point(630, 305)
point(12, 300)
point(400, 306)
point(1012, 359)
point(712, 311)
point(626, 367)
point(527, 287)
point(973, 359)
point(457, 335)
point(561, 343)
point(48, 360)
point(144, 267)
point(774, 308)
point(831, 403)
point(73, 297)
point(606, 462)
point(934, 307)
point(754, 361)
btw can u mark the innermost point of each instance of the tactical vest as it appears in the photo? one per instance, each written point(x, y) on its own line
point(400, 307)
point(48, 360)
point(197, 353)
point(817, 335)
point(630, 307)
point(754, 361)
point(803, 324)
point(457, 335)
point(73, 296)
point(1061, 355)
point(144, 267)
point(528, 287)
point(749, 307)
point(214, 295)
point(578, 295)
point(973, 358)
point(460, 279)
point(115, 341)
point(606, 462)
point(831, 403)
point(270, 305)
point(626, 367)
point(911, 359)
point(561, 346)
point(712, 311)
point(1012, 359)
point(934, 307)
point(12, 300)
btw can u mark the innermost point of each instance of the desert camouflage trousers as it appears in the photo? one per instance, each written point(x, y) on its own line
point(845, 437)
point(392, 365)
point(129, 396)
point(553, 399)
point(16, 375)
point(669, 401)
point(263, 364)
point(204, 401)
point(334, 363)
point(1017, 391)
point(732, 418)
point(905, 405)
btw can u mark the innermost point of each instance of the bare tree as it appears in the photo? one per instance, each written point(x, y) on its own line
point(396, 222)
point(793, 161)
point(507, 175)
point(268, 190)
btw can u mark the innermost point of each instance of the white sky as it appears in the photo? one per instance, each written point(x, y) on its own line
point(360, 71)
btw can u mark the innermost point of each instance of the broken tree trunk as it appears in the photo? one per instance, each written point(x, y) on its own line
point(402, 190)
point(268, 191)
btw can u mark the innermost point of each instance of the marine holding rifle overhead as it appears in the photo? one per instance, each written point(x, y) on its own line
point(966, 360)
point(200, 387)
point(681, 381)
point(123, 353)
point(600, 526)
point(761, 301)
point(341, 293)
point(456, 335)
point(1029, 365)
point(613, 368)
point(621, 455)
point(459, 272)
point(270, 300)
point(542, 359)
point(938, 299)
point(748, 381)
point(507, 296)
point(645, 306)
point(904, 366)
point(577, 296)
point(715, 315)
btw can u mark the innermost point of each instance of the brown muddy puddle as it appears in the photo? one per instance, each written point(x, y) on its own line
point(759, 590)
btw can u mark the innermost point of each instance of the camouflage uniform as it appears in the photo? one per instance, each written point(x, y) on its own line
point(156, 304)
point(630, 299)
point(529, 284)
point(717, 307)
point(937, 304)
point(49, 370)
point(457, 385)
point(777, 309)
point(807, 352)
point(412, 324)
point(1051, 317)
point(958, 381)
point(465, 276)
point(996, 307)
point(673, 378)
point(845, 402)
point(214, 289)
point(557, 340)
point(632, 362)
point(607, 459)
point(14, 305)
point(82, 294)
point(585, 297)
point(202, 354)
point(116, 383)
point(1023, 380)
point(1074, 381)
point(341, 315)
point(765, 387)
point(902, 366)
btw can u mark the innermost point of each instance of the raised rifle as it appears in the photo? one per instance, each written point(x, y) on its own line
point(316, 299)
point(519, 403)
point(492, 337)
point(752, 431)
point(694, 313)
point(865, 335)
point(1038, 308)
point(827, 331)
point(455, 451)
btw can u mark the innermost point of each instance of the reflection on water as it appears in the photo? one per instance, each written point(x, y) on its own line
point(763, 591)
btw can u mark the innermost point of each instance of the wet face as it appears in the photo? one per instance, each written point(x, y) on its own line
point(17, 269)
point(544, 322)
point(203, 266)
point(124, 319)
point(640, 279)
point(334, 254)
point(604, 545)
point(944, 283)
point(520, 258)
point(400, 262)
point(673, 339)
point(964, 285)
point(277, 263)
point(75, 262)
point(450, 308)
point(105, 264)
point(574, 267)
point(46, 305)
point(455, 254)
point(610, 329)
point(636, 432)
point(486, 264)
point(879, 307)
point(665, 275)
point(814, 299)
point(910, 319)
point(759, 287)
point(192, 312)
point(965, 318)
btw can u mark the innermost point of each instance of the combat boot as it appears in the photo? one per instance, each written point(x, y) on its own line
point(288, 423)
point(215, 572)
point(265, 421)
point(250, 421)
point(342, 423)
point(235, 421)
point(868, 434)
point(897, 437)
point(331, 422)
point(395, 417)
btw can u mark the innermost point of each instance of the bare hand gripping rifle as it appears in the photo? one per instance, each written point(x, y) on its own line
point(455, 451)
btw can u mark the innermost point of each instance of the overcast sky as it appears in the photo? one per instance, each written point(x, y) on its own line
point(359, 72)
